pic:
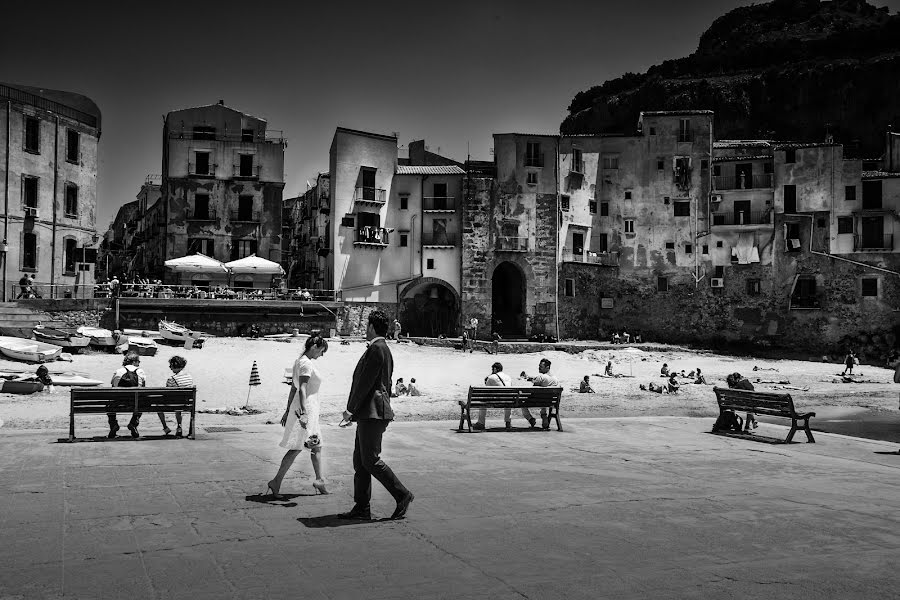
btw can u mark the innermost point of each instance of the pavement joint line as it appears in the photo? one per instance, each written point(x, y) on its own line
point(137, 545)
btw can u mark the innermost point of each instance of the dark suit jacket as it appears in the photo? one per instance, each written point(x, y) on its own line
point(370, 393)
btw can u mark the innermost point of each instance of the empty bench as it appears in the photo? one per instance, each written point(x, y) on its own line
point(510, 397)
point(95, 401)
point(764, 403)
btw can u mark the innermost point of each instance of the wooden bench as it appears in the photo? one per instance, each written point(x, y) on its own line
point(132, 399)
point(510, 397)
point(764, 403)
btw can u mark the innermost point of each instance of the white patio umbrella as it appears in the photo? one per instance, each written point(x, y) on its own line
point(196, 263)
point(253, 264)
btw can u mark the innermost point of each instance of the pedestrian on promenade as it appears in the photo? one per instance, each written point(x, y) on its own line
point(301, 417)
point(369, 405)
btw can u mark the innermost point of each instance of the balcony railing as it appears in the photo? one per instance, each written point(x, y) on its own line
point(209, 172)
point(592, 258)
point(372, 236)
point(873, 243)
point(732, 219)
point(507, 243)
point(439, 203)
point(251, 173)
point(440, 239)
point(245, 216)
point(272, 136)
point(534, 160)
point(369, 194)
point(736, 182)
point(194, 215)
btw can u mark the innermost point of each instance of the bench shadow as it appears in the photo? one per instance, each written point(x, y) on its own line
point(326, 521)
point(120, 438)
point(762, 439)
point(513, 430)
point(892, 453)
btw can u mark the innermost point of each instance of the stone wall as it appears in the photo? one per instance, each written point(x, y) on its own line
point(353, 318)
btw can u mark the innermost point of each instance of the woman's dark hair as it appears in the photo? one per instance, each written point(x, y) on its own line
point(177, 362)
point(316, 340)
point(379, 322)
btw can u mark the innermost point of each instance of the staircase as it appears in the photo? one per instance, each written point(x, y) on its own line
point(18, 321)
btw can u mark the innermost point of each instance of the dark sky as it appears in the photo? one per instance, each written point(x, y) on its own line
point(452, 73)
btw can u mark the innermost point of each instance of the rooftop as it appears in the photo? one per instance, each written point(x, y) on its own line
point(783, 145)
point(366, 133)
point(68, 104)
point(429, 170)
point(673, 113)
point(879, 174)
point(739, 157)
point(742, 144)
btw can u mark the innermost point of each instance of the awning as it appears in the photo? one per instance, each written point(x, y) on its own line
point(196, 263)
point(253, 264)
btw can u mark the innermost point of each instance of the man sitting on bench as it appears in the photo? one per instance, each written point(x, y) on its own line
point(542, 379)
point(497, 377)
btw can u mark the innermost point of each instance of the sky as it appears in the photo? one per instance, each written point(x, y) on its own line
point(451, 73)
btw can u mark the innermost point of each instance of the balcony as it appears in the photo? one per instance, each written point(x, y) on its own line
point(736, 182)
point(507, 243)
point(272, 136)
point(873, 243)
point(369, 195)
point(241, 216)
point(739, 219)
point(605, 259)
point(209, 171)
point(534, 160)
point(192, 214)
point(439, 204)
point(440, 240)
point(253, 172)
point(377, 237)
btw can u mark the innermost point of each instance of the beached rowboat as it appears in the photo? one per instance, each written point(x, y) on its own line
point(99, 336)
point(21, 387)
point(173, 331)
point(143, 346)
point(28, 350)
point(71, 341)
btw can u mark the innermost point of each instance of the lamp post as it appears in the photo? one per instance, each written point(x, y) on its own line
point(4, 248)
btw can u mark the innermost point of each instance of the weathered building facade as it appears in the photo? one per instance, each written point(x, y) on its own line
point(311, 236)
point(48, 157)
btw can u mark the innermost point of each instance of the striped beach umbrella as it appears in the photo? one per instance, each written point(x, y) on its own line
point(254, 380)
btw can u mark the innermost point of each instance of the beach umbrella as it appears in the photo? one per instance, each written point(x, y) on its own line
point(254, 264)
point(254, 381)
point(196, 263)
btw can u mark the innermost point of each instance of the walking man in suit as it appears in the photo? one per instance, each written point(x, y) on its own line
point(370, 406)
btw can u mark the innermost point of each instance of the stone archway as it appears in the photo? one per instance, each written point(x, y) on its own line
point(508, 300)
point(429, 307)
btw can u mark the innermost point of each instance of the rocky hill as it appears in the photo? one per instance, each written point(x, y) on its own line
point(788, 69)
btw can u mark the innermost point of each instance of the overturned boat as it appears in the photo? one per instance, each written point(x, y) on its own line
point(101, 338)
point(29, 350)
point(71, 340)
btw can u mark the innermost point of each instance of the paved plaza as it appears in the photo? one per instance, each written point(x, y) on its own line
point(651, 507)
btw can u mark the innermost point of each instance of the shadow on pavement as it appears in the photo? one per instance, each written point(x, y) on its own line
point(283, 501)
point(334, 521)
point(120, 438)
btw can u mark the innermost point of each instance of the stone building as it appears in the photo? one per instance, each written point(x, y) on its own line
point(311, 236)
point(49, 142)
point(221, 187)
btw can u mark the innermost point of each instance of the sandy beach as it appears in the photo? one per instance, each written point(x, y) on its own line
point(221, 370)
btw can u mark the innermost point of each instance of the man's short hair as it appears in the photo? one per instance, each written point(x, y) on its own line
point(497, 366)
point(379, 322)
point(547, 361)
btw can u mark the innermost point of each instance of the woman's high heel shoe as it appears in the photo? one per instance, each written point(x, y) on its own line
point(320, 487)
point(273, 492)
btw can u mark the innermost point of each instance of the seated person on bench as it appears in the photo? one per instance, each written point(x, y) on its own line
point(496, 378)
point(739, 382)
point(542, 379)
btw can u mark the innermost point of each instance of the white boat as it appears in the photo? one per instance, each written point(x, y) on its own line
point(143, 346)
point(71, 341)
point(99, 336)
point(70, 379)
point(28, 350)
point(173, 331)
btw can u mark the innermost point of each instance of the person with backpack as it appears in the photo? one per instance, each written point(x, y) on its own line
point(129, 374)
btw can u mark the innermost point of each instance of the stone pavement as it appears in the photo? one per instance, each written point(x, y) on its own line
point(649, 507)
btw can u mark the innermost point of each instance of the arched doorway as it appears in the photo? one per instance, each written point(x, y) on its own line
point(508, 300)
point(429, 308)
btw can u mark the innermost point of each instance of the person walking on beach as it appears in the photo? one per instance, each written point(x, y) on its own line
point(542, 379)
point(849, 361)
point(301, 417)
point(473, 333)
point(496, 378)
point(397, 329)
point(130, 374)
point(369, 405)
point(178, 379)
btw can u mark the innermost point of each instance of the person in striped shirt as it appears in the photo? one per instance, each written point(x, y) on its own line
point(178, 379)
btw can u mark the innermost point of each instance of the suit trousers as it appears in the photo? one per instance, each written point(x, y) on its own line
point(367, 463)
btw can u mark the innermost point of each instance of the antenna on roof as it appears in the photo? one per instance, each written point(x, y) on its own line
point(396, 134)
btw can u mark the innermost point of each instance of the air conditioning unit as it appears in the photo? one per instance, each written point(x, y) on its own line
point(717, 282)
point(716, 198)
point(31, 212)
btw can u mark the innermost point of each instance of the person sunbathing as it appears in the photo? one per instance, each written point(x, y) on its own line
point(673, 384)
point(608, 371)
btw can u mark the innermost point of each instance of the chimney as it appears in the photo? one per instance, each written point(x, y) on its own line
point(222, 102)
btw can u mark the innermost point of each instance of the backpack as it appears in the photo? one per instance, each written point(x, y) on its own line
point(728, 421)
point(129, 379)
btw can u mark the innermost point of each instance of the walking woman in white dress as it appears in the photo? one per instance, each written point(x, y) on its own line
point(301, 417)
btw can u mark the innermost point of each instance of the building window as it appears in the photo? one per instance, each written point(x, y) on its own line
point(533, 156)
point(73, 143)
point(849, 193)
point(704, 164)
point(871, 194)
point(604, 209)
point(870, 287)
point(753, 287)
point(682, 209)
point(201, 163)
point(603, 243)
point(792, 237)
point(610, 162)
point(688, 249)
point(247, 135)
point(29, 251)
point(592, 207)
point(845, 224)
point(705, 249)
point(629, 225)
point(790, 155)
point(804, 294)
point(202, 245)
point(69, 256)
point(242, 248)
point(32, 135)
point(577, 161)
point(29, 191)
point(628, 194)
point(790, 199)
point(570, 288)
point(719, 244)
point(71, 200)
point(660, 164)
point(246, 166)
point(204, 132)
point(245, 208)
point(684, 131)
point(404, 202)
point(662, 284)
point(429, 263)
point(653, 131)
point(719, 271)
point(404, 240)
point(201, 206)
point(670, 245)
point(717, 170)
point(564, 202)
point(532, 178)
point(348, 221)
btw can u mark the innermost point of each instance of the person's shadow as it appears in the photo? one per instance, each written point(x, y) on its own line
point(334, 521)
point(283, 501)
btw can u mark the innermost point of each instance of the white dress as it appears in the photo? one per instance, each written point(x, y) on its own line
point(295, 435)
